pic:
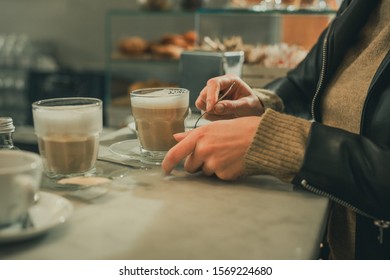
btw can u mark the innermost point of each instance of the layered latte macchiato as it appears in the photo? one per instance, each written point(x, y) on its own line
point(68, 134)
point(67, 153)
point(158, 113)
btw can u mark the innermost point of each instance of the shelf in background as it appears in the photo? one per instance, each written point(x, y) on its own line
point(147, 58)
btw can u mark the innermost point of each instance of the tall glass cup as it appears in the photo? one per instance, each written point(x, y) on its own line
point(158, 113)
point(68, 132)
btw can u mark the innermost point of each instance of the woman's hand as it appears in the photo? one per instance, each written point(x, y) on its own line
point(217, 148)
point(240, 102)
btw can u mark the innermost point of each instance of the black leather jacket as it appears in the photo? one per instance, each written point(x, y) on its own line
point(351, 169)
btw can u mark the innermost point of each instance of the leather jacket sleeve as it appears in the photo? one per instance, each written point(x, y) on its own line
point(351, 169)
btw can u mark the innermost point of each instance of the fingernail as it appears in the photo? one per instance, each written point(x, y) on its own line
point(219, 108)
point(208, 106)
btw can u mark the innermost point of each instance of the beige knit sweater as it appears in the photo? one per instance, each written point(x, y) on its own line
point(279, 145)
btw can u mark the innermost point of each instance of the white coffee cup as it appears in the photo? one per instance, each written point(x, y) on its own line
point(20, 179)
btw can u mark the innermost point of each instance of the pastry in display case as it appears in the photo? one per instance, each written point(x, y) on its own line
point(262, 62)
point(279, 55)
point(155, 5)
point(133, 46)
point(168, 46)
point(289, 5)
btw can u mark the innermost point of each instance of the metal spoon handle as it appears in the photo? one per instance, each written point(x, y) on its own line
point(131, 165)
point(219, 99)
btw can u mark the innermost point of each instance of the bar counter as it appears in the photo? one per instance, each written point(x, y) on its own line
point(143, 214)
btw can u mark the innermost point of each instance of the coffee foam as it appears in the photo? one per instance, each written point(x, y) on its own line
point(68, 119)
point(161, 99)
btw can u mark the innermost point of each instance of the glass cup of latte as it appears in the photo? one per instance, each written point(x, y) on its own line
point(158, 113)
point(68, 132)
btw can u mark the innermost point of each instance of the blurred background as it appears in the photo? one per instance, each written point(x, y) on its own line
point(74, 28)
point(105, 48)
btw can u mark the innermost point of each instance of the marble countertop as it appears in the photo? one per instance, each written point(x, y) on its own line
point(143, 214)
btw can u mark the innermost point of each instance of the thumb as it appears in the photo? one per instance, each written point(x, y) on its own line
point(226, 107)
point(231, 107)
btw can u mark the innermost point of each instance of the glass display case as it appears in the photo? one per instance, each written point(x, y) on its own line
point(130, 36)
point(143, 47)
point(274, 40)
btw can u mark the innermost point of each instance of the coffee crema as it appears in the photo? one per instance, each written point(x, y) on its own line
point(68, 153)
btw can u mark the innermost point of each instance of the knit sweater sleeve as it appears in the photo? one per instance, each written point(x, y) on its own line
point(269, 99)
point(278, 146)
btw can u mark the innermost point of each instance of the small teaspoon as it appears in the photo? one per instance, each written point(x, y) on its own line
point(219, 99)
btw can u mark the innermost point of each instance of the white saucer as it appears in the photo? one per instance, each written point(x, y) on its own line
point(128, 149)
point(50, 211)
